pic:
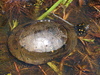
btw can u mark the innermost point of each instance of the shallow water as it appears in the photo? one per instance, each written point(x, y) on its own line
point(90, 50)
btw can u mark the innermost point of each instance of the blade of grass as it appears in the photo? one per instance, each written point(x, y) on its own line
point(68, 2)
point(55, 68)
point(50, 10)
point(14, 24)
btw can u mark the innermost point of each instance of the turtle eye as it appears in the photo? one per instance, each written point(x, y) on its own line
point(81, 29)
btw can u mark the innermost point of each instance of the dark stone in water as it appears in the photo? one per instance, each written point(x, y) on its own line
point(38, 42)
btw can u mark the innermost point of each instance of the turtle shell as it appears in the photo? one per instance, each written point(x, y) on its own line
point(38, 42)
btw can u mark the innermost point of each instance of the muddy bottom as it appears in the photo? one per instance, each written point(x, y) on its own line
point(84, 61)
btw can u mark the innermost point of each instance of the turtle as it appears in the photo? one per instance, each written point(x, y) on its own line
point(41, 41)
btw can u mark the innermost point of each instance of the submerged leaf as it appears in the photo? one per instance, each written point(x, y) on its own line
point(89, 40)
